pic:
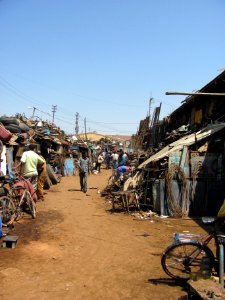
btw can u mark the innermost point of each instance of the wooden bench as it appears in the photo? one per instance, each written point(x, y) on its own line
point(124, 197)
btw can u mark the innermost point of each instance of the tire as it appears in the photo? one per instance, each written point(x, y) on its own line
point(7, 209)
point(13, 128)
point(47, 183)
point(181, 259)
point(30, 204)
point(23, 127)
point(7, 121)
point(51, 174)
point(1, 148)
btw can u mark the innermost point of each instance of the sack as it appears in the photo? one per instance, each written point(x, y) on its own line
point(5, 135)
point(221, 213)
point(100, 159)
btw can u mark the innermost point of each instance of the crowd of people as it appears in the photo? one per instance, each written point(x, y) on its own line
point(118, 161)
point(33, 166)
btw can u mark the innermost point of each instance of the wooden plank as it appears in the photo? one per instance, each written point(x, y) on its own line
point(207, 289)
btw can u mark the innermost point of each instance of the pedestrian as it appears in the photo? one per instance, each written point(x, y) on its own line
point(30, 161)
point(107, 160)
point(123, 169)
point(122, 159)
point(69, 165)
point(99, 162)
point(114, 158)
point(84, 170)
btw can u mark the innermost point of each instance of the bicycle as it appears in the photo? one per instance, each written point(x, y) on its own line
point(185, 256)
point(18, 198)
point(22, 197)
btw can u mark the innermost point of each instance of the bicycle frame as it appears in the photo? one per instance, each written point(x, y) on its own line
point(204, 242)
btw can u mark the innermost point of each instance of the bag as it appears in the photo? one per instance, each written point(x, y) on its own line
point(221, 213)
point(5, 135)
point(100, 159)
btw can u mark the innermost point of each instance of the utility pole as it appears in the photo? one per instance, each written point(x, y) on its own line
point(195, 94)
point(54, 108)
point(34, 108)
point(149, 108)
point(85, 129)
point(76, 123)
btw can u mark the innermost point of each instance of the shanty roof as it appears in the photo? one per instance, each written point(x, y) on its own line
point(184, 141)
point(213, 86)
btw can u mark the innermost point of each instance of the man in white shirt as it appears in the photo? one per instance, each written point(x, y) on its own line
point(30, 161)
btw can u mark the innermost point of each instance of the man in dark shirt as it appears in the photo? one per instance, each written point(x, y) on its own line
point(84, 169)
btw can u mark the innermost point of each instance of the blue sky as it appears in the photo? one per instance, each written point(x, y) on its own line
point(105, 58)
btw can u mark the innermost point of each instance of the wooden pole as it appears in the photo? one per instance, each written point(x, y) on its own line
point(85, 128)
point(196, 94)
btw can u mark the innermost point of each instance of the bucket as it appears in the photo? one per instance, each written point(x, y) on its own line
point(5, 135)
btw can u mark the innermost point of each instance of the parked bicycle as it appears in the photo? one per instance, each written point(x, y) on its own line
point(22, 193)
point(18, 199)
point(187, 254)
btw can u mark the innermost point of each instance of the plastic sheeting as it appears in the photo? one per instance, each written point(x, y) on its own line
point(69, 167)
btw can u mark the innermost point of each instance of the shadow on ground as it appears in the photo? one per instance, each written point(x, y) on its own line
point(170, 282)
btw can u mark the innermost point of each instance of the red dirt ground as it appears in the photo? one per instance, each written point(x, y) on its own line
point(78, 249)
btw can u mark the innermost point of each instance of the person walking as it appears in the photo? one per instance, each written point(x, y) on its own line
point(99, 162)
point(84, 170)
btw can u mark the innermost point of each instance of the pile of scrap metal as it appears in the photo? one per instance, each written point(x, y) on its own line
point(18, 131)
point(184, 172)
point(186, 177)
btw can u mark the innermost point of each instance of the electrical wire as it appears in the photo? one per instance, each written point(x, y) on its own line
point(11, 88)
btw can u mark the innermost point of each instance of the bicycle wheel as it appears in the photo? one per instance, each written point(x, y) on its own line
point(30, 204)
point(7, 209)
point(181, 259)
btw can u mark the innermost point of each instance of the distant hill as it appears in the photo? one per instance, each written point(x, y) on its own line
point(120, 137)
point(94, 136)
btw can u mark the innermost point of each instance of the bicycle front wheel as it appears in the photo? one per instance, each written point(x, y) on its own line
point(31, 205)
point(181, 259)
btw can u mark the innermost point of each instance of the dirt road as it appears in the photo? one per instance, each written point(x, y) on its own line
point(78, 249)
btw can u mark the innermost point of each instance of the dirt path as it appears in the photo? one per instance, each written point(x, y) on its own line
point(78, 249)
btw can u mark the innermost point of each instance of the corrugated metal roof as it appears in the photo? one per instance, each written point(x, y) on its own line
point(189, 99)
point(184, 141)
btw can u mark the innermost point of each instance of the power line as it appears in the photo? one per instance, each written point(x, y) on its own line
point(23, 96)
point(7, 85)
point(89, 99)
